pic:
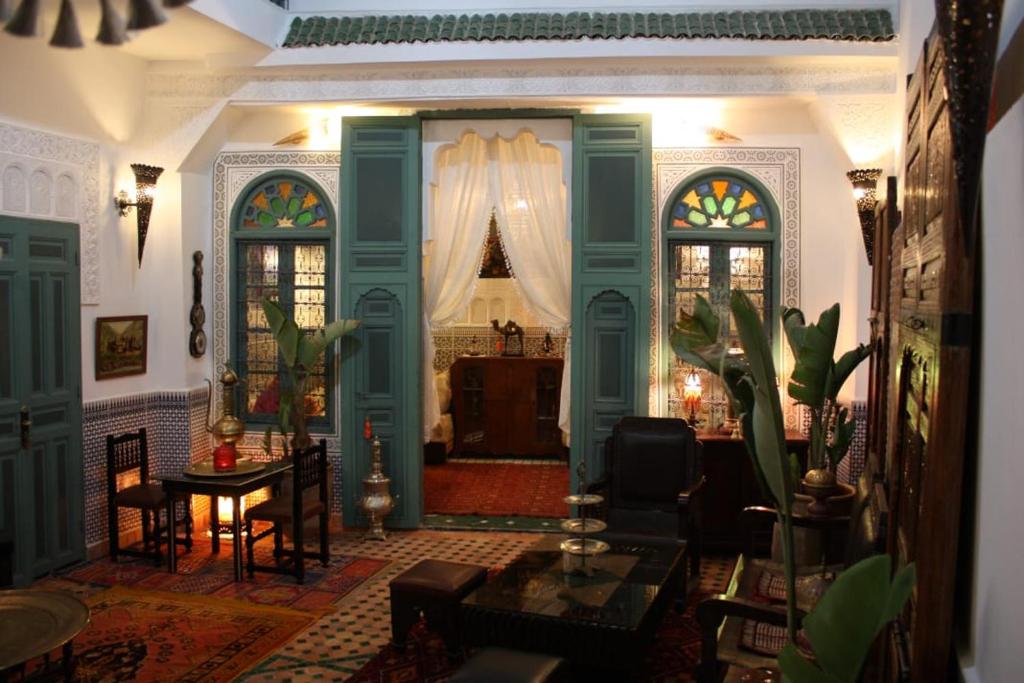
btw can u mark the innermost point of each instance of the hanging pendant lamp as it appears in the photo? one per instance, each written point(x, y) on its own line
point(112, 31)
point(6, 9)
point(176, 3)
point(26, 20)
point(66, 34)
point(144, 14)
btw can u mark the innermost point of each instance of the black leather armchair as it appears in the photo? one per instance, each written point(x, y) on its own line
point(654, 476)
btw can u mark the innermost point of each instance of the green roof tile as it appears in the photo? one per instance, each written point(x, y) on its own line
point(808, 24)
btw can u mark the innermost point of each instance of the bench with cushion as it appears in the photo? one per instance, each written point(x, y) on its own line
point(745, 626)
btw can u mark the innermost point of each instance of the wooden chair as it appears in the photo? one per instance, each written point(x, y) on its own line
point(652, 482)
point(129, 452)
point(727, 621)
point(293, 509)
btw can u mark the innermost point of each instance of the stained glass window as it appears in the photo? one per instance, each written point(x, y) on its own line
point(713, 265)
point(273, 261)
point(720, 203)
point(284, 203)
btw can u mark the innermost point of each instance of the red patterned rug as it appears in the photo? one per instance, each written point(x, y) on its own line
point(673, 657)
point(144, 635)
point(457, 488)
point(201, 572)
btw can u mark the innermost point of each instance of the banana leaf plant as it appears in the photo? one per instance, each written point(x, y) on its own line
point(300, 352)
point(816, 381)
point(750, 383)
point(846, 621)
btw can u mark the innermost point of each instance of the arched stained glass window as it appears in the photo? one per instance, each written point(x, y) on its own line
point(284, 204)
point(721, 233)
point(719, 202)
point(282, 249)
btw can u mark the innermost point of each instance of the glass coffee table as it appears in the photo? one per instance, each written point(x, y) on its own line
point(598, 622)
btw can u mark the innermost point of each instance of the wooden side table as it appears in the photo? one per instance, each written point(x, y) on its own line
point(731, 486)
point(34, 623)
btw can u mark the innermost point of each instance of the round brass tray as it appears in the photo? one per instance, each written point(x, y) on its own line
point(34, 622)
point(204, 468)
point(584, 546)
point(584, 499)
point(580, 525)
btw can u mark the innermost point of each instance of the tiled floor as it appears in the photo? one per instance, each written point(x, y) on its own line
point(340, 643)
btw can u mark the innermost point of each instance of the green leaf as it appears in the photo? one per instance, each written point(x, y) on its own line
point(311, 346)
point(795, 327)
point(899, 592)
point(842, 437)
point(796, 669)
point(846, 364)
point(694, 337)
point(813, 348)
point(767, 426)
point(286, 332)
point(850, 614)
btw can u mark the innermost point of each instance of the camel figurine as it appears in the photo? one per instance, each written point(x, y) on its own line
point(509, 330)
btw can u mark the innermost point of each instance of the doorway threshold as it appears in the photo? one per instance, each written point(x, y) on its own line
point(492, 523)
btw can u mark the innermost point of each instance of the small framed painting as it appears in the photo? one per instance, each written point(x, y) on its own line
point(121, 346)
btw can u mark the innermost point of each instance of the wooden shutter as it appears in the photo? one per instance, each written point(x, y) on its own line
point(380, 266)
point(611, 251)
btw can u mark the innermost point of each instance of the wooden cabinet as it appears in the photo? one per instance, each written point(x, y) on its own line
point(731, 486)
point(506, 406)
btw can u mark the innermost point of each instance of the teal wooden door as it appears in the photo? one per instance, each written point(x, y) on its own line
point(611, 276)
point(380, 264)
point(40, 381)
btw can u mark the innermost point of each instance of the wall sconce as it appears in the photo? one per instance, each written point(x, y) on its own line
point(145, 192)
point(865, 182)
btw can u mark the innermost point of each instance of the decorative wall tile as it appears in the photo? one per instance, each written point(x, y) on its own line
point(453, 342)
point(853, 464)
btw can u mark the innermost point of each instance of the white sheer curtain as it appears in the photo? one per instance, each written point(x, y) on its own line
point(459, 217)
point(529, 197)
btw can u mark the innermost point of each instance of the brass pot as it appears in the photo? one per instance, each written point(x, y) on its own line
point(819, 483)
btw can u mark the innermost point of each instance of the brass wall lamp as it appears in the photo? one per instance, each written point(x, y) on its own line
point(865, 184)
point(142, 14)
point(145, 193)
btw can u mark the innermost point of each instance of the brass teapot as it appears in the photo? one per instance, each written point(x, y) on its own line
point(228, 429)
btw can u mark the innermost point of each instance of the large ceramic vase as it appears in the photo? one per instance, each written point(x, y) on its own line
point(807, 543)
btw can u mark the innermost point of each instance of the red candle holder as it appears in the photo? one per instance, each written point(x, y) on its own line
point(225, 458)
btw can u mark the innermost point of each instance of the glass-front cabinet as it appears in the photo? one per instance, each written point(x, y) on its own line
point(720, 238)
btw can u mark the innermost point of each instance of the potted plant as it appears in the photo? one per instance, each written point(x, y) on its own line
point(848, 617)
point(300, 353)
point(815, 383)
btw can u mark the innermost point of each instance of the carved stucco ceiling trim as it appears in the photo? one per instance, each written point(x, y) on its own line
point(54, 166)
point(436, 81)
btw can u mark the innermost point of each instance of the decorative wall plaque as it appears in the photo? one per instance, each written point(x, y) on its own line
point(197, 316)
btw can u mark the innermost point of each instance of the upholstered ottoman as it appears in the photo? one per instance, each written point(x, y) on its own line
point(498, 665)
point(435, 588)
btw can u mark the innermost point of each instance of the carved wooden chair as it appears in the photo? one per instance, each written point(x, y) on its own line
point(126, 453)
point(307, 498)
point(745, 627)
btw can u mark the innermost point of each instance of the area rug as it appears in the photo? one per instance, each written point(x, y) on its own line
point(203, 573)
point(673, 657)
point(143, 635)
point(496, 489)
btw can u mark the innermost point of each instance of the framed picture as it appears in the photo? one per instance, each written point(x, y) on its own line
point(121, 346)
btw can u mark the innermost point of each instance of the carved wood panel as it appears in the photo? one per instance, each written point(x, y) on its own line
point(930, 323)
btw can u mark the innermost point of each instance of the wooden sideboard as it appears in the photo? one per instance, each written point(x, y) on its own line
point(506, 405)
point(731, 486)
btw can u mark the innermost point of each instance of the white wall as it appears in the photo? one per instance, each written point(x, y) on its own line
point(992, 653)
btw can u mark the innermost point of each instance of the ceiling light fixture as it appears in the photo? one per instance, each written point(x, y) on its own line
point(142, 14)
